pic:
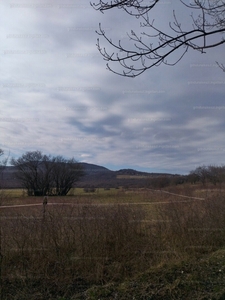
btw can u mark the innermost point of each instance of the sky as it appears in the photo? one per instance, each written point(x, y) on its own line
point(57, 96)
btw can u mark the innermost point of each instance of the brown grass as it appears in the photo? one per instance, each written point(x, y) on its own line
point(106, 242)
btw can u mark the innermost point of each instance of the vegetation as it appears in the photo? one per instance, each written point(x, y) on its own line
point(166, 241)
point(204, 174)
point(45, 175)
point(3, 163)
point(158, 245)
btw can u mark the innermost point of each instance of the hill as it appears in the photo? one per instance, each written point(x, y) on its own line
point(95, 175)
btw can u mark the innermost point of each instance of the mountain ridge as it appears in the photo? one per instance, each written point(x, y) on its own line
point(95, 175)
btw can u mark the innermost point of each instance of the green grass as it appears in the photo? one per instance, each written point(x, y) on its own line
point(187, 279)
point(201, 279)
point(72, 192)
point(13, 192)
point(80, 191)
point(100, 196)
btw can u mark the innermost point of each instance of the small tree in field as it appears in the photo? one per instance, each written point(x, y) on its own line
point(64, 174)
point(44, 175)
point(33, 171)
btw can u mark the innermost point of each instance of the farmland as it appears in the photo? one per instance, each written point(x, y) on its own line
point(102, 244)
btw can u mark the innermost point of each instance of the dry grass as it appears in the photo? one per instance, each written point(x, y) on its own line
point(85, 238)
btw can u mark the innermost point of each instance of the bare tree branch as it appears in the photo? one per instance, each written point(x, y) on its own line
point(207, 21)
point(126, 5)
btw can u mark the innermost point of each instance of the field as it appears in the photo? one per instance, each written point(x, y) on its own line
point(132, 176)
point(136, 244)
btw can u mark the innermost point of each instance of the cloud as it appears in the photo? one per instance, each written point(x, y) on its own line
point(58, 97)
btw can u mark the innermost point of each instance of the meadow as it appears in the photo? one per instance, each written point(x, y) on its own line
point(60, 250)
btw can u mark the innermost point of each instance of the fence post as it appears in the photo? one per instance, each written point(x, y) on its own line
point(45, 202)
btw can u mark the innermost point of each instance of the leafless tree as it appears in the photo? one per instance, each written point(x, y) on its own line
point(65, 174)
point(43, 175)
point(192, 177)
point(156, 46)
point(33, 171)
point(3, 164)
point(213, 174)
point(202, 173)
point(216, 174)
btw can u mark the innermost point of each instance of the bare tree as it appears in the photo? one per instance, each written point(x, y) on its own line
point(3, 164)
point(156, 46)
point(43, 175)
point(216, 174)
point(213, 174)
point(202, 173)
point(193, 177)
point(65, 173)
point(33, 171)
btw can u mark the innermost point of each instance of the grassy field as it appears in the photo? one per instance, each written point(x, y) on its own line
point(114, 244)
point(73, 191)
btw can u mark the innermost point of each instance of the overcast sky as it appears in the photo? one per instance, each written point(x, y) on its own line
point(58, 97)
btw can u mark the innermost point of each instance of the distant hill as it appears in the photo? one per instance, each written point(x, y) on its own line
point(91, 168)
point(133, 172)
point(95, 175)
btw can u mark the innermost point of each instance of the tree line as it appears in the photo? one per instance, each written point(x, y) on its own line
point(42, 174)
point(204, 174)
